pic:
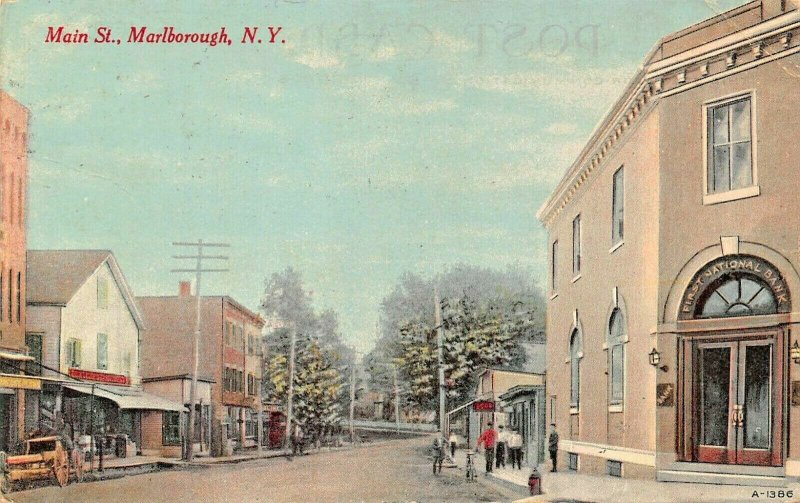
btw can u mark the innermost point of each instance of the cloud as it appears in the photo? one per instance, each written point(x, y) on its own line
point(561, 128)
point(383, 53)
point(317, 59)
point(450, 43)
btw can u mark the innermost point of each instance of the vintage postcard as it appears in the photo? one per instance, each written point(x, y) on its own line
point(399, 251)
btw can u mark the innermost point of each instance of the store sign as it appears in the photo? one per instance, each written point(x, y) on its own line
point(483, 406)
point(88, 375)
point(20, 382)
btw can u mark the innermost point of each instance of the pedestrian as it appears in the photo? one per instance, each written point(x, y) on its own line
point(500, 448)
point(437, 452)
point(453, 442)
point(515, 448)
point(488, 438)
point(552, 443)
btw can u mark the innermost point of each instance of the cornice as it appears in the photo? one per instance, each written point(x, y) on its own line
point(771, 40)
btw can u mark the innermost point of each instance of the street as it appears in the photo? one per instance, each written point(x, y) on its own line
point(390, 471)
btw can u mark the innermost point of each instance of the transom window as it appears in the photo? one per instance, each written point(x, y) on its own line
point(730, 157)
point(737, 295)
point(616, 357)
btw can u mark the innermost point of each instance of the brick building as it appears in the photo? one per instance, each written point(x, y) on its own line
point(230, 360)
point(673, 238)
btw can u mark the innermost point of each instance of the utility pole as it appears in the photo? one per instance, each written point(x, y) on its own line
point(396, 400)
point(198, 270)
point(440, 357)
point(352, 394)
point(290, 391)
point(260, 416)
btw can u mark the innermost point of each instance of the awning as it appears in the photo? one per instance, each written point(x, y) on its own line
point(127, 398)
point(18, 357)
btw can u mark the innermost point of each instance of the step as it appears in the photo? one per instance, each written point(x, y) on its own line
point(766, 471)
point(695, 477)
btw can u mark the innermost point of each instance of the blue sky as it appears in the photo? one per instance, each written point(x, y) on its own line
point(382, 137)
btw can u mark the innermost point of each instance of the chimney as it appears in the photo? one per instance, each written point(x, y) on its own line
point(184, 289)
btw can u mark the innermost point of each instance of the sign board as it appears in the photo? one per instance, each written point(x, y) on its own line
point(103, 377)
point(483, 406)
point(20, 382)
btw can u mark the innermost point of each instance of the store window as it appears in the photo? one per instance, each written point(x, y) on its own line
point(171, 428)
point(616, 357)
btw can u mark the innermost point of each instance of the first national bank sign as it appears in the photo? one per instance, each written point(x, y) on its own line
point(724, 266)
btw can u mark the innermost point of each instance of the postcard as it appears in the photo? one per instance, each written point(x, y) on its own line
point(383, 251)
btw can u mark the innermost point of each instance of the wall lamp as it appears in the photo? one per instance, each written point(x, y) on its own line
point(655, 359)
point(794, 352)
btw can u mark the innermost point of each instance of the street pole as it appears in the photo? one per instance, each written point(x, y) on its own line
point(290, 391)
point(260, 415)
point(198, 270)
point(396, 400)
point(352, 395)
point(440, 357)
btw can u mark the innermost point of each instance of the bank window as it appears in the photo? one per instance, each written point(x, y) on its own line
point(575, 369)
point(576, 246)
point(102, 351)
point(729, 146)
point(171, 428)
point(554, 267)
point(616, 357)
point(617, 207)
point(737, 295)
point(73, 351)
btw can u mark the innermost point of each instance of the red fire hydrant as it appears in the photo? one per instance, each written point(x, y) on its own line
point(535, 483)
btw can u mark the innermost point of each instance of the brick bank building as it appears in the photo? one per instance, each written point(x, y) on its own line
point(674, 243)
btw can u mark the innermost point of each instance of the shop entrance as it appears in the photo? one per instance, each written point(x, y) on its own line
point(736, 401)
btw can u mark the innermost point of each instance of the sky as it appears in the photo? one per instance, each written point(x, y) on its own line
point(372, 138)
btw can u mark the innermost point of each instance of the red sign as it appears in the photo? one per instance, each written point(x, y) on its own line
point(483, 406)
point(88, 375)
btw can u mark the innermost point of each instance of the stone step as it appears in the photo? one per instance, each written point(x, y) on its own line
point(736, 479)
point(766, 471)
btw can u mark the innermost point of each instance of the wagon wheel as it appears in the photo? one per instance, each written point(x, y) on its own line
point(76, 462)
point(61, 468)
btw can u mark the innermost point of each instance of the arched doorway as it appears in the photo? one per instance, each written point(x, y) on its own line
point(731, 372)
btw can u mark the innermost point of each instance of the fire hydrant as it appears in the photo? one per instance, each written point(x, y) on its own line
point(535, 482)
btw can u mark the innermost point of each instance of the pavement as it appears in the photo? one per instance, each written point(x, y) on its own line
point(395, 470)
point(568, 486)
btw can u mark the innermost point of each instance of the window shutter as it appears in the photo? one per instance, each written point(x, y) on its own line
point(70, 352)
point(76, 357)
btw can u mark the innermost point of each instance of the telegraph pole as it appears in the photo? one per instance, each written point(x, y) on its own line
point(290, 391)
point(396, 400)
point(352, 394)
point(260, 417)
point(440, 357)
point(198, 270)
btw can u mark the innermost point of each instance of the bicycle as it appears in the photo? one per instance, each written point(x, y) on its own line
point(471, 473)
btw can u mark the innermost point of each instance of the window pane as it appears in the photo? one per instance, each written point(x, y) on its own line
point(740, 120)
point(757, 402)
point(554, 271)
point(715, 384)
point(720, 181)
point(764, 303)
point(576, 245)
point(741, 166)
point(720, 125)
point(618, 206)
point(575, 370)
point(617, 371)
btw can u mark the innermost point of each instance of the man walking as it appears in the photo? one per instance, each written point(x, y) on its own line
point(500, 450)
point(437, 451)
point(552, 443)
point(515, 448)
point(453, 442)
point(488, 439)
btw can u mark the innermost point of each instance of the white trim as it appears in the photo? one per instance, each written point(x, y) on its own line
point(574, 411)
point(616, 407)
point(744, 192)
point(612, 452)
point(576, 278)
point(616, 246)
point(554, 295)
point(732, 195)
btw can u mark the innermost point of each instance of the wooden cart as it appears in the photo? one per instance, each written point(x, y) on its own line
point(44, 457)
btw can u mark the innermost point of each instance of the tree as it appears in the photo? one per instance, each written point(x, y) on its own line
point(486, 314)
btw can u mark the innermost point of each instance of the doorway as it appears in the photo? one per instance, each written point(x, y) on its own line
point(736, 402)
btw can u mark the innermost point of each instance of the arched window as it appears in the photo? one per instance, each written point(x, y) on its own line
point(737, 295)
point(575, 369)
point(616, 357)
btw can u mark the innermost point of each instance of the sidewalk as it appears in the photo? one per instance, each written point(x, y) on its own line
point(572, 486)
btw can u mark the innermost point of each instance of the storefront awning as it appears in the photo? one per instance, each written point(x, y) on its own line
point(127, 398)
point(17, 357)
